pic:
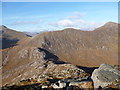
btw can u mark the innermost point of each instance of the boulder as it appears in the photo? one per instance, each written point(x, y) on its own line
point(105, 75)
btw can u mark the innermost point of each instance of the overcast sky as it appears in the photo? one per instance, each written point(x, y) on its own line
point(50, 16)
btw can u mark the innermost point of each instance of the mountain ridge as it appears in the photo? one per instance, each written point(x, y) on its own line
point(81, 48)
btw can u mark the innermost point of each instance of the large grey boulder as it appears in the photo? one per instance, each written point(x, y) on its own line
point(105, 75)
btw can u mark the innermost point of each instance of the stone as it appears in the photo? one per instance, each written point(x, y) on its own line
point(62, 84)
point(86, 84)
point(44, 86)
point(59, 85)
point(55, 86)
point(68, 80)
point(105, 75)
point(82, 84)
point(74, 83)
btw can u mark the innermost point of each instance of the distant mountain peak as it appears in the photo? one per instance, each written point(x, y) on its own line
point(4, 26)
point(110, 23)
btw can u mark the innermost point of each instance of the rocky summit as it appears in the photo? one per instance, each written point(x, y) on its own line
point(67, 76)
point(66, 59)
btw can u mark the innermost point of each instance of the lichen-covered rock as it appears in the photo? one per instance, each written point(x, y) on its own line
point(105, 75)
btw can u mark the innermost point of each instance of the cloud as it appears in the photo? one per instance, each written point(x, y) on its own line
point(63, 23)
point(76, 15)
point(25, 22)
point(77, 23)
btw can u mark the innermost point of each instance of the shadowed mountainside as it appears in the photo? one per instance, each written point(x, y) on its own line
point(10, 37)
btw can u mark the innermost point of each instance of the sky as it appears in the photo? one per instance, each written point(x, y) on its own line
point(60, 0)
point(51, 16)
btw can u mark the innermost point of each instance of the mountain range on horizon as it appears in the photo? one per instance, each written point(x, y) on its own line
point(77, 47)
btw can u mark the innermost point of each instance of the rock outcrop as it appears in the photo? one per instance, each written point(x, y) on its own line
point(105, 76)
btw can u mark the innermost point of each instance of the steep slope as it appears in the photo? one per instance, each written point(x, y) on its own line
point(82, 48)
point(10, 37)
